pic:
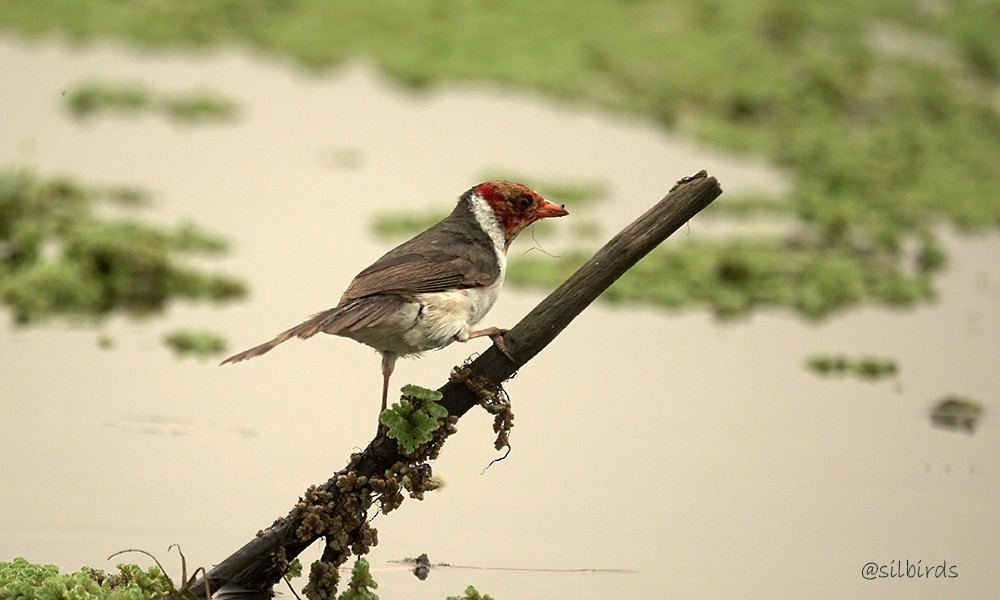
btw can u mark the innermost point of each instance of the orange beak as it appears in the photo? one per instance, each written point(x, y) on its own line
point(548, 209)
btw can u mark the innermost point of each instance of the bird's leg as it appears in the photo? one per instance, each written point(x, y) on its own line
point(496, 334)
point(388, 364)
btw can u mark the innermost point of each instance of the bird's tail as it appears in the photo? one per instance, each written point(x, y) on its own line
point(350, 316)
point(303, 330)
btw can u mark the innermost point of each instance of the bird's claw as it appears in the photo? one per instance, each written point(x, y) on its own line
point(498, 342)
point(496, 334)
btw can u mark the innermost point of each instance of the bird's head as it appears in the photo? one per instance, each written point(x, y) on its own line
point(516, 206)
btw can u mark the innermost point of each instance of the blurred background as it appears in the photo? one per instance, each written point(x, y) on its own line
point(800, 382)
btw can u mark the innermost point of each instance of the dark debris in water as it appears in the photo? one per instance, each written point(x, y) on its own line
point(957, 413)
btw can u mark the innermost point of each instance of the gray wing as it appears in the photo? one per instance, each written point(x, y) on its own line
point(449, 255)
point(445, 257)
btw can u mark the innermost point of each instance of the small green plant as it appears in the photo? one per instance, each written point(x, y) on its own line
point(294, 569)
point(22, 580)
point(93, 97)
point(413, 420)
point(361, 585)
point(199, 106)
point(200, 343)
point(471, 593)
point(865, 367)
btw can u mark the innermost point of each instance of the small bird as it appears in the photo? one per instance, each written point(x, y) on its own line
point(430, 290)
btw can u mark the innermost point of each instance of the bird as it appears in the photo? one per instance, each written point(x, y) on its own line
point(433, 288)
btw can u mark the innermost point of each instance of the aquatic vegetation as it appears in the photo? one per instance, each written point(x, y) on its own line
point(361, 584)
point(59, 258)
point(200, 343)
point(865, 367)
point(21, 580)
point(880, 143)
point(91, 98)
point(471, 593)
point(733, 277)
point(340, 514)
point(814, 273)
point(199, 106)
point(413, 420)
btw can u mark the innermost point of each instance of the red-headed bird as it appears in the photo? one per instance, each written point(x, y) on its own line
point(432, 289)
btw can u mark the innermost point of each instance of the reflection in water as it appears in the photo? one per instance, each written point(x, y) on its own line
point(422, 567)
point(171, 425)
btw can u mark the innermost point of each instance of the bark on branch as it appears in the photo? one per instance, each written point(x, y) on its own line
point(256, 565)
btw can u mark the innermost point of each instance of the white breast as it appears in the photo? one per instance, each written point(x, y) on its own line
point(432, 321)
point(445, 317)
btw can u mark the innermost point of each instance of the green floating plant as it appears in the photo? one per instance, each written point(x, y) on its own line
point(107, 97)
point(865, 367)
point(197, 342)
point(22, 580)
point(199, 106)
point(413, 420)
point(471, 593)
point(294, 569)
point(60, 256)
point(92, 97)
point(361, 584)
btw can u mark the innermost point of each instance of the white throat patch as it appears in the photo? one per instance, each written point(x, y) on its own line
point(488, 221)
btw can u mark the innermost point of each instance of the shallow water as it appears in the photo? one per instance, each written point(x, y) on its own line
point(702, 456)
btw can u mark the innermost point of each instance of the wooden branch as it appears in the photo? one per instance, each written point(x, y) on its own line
point(254, 566)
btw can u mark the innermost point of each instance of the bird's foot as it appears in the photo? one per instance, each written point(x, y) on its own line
point(496, 335)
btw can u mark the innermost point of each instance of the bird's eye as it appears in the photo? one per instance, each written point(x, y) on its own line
point(524, 202)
